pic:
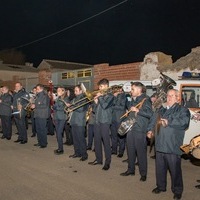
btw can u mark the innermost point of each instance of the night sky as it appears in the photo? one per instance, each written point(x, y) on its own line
point(124, 34)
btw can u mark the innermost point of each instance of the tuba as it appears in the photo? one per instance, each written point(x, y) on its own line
point(162, 85)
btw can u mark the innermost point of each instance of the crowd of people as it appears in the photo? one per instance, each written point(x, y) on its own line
point(100, 120)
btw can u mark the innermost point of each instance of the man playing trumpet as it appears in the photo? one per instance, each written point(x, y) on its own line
point(103, 119)
point(60, 116)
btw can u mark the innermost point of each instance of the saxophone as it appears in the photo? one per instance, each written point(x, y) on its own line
point(19, 107)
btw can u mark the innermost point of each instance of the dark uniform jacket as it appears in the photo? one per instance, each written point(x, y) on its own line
point(170, 138)
point(144, 114)
point(21, 97)
point(59, 109)
point(119, 107)
point(103, 109)
point(42, 106)
point(5, 105)
point(78, 116)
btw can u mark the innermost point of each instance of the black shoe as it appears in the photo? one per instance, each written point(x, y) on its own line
point(74, 156)
point(17, 133)
point(50, 134)
point(95, 163)
point(58, 152)
point(127, 173)
point(177, 196)
point(33, 135)
point(106, 167)
point(136, 163)
point(89, 148)
point(42, 147)
point(1, 131)
point(125, 160)
point(197, 186)
point(153, 157)
point(198, 181)
point(157, 190)
point(114, 153)
point(120, 155)
point(18, 140)
point(23, 142)
point(36, 145)
point(83, 158)
point(143, 178)
point(8, 138)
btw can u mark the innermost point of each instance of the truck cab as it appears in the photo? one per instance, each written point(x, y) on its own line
point(189, 97)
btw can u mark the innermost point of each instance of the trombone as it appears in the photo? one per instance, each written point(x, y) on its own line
point(90, 96)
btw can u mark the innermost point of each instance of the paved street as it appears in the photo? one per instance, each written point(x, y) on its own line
point(31, 173)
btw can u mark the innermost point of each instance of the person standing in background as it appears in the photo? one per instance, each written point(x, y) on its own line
point(41, 114)
point(5, 113)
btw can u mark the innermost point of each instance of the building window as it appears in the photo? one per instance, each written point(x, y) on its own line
point(84, 73)
point(67, 75)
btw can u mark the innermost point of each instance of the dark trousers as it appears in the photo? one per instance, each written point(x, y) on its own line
point(41, 129)
point(90, 135)
point(137, 147)
point(68, 133)
point(50, 126)
point(21, 127)
point(78, 134)
point(116, 139)
point(33, 123)
point(102, 134)
point(173, 163)
point(6, 122)
point(60, 124)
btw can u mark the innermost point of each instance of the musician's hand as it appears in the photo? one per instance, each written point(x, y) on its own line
point(134, 109)
point(99, 94)
point(32, 106)
point(11, 107)
point(150, 134)
point(95, 100)
point(0, 101)
point(196, 116)
point(68, 104)
point(164, 122)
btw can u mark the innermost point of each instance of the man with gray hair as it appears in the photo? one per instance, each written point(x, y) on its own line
point(174, 120)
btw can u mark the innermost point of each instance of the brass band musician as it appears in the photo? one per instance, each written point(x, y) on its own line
point(19, 103)
point(59, 117)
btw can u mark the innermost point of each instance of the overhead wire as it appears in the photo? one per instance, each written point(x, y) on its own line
point(67, 28)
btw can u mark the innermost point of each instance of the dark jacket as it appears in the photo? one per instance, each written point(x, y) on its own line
point(170, 138)
point(58, 107)
point(78, 116)
point(42, 106)
point(5, 105)
point(21, 97)
point(144, 114)
point(119, 107)
point(103, 109)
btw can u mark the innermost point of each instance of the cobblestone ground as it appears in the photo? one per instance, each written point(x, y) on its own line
point(31, 173)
